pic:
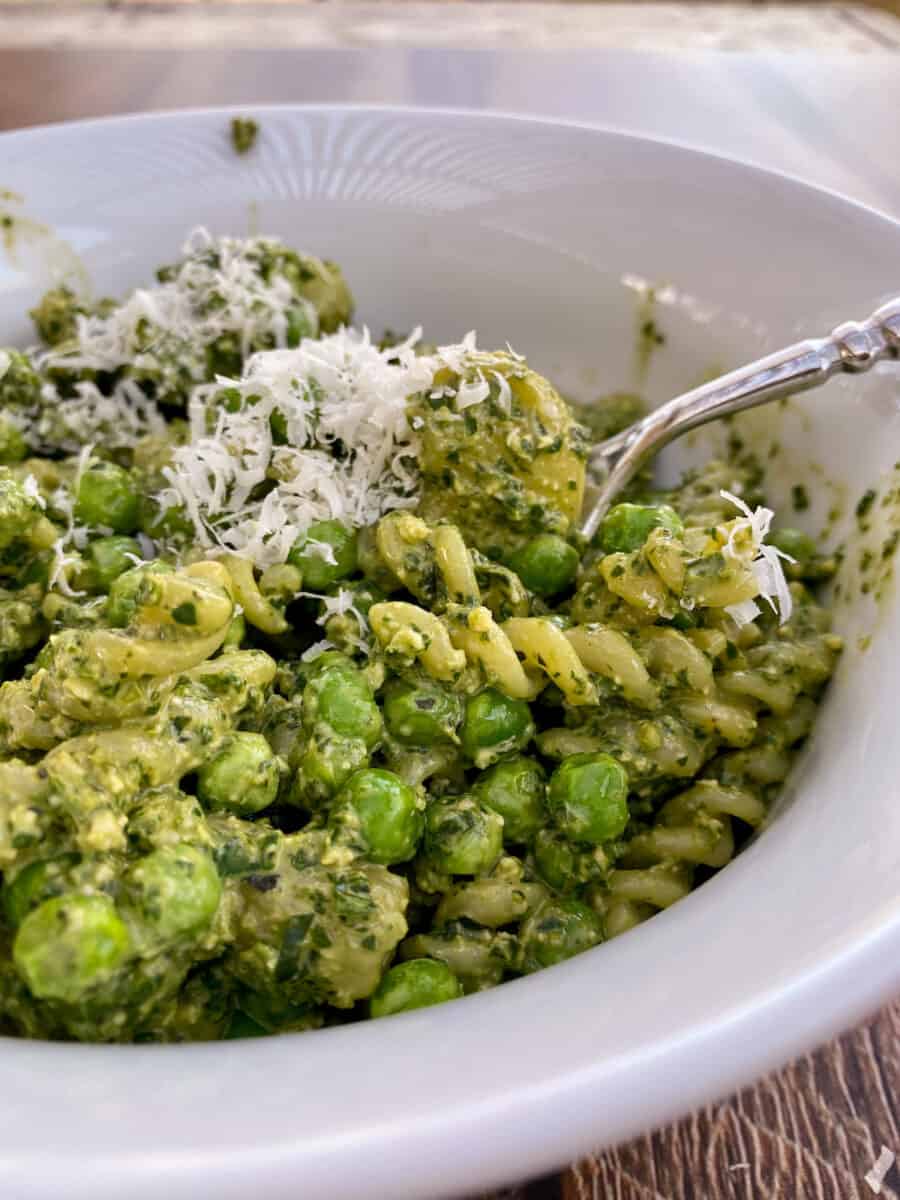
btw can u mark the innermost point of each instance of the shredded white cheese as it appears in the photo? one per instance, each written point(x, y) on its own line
point(342, 603)
point(217, 289)
point(323, 550)
point(119, 419)
point(54, 422)
point(307, 434)
point(316, 650)
point(161, 334)
point(33, 491)
point(74, 536)
point(337, 605)
point(766, 564)
point(474, 391)
point(880, 1168)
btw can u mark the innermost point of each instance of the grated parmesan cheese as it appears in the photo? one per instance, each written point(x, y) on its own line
point(33, 491)
point(161, 335)
point(347, 450)
point(336, 605)
point(766, 564)
point(53, 422)
point(118, 420)
point(879, 1171)
point(164, 330)
point(307, 433)
point(316, 650)
point(74, 537)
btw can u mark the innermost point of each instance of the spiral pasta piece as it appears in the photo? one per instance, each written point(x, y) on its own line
point(258, 611)
point(404, 546)
point(692, 829)
point(475, 632)
point(522, 653)
point(410, 632)
point(104, 675)
point(611, 654)
point(673, 659)
point(454, 562)
point(548, 649)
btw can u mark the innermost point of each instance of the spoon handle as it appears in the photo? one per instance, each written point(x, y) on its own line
point(852, 347)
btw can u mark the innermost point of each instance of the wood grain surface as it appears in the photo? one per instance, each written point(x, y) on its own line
point(808, 1132)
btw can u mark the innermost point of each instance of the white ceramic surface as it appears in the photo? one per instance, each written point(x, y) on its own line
point(524, 230)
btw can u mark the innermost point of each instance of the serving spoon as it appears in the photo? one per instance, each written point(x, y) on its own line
point(853, 347)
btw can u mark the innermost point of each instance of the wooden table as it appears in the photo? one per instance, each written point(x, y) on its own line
point(811, 1131)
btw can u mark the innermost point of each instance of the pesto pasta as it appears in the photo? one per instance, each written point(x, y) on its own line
point(316, 705)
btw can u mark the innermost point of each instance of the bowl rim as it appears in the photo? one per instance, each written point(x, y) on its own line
point(625, 132)
point(841, 988)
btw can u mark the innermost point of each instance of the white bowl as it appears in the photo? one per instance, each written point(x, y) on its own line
point(525, 231)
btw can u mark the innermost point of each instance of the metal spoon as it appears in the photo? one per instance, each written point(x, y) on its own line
point(852, 347)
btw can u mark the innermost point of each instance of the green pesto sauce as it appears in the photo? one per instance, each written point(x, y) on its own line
point(19, 231)
point(799, 497)
point(244, 132)
point(211, 826)
point(650, 336)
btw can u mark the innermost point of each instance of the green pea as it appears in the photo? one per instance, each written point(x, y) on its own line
point(420, 714)
point(462, 837)
point(515, 789)
point(588, 798)
point(546, 565)
point(109, 557)
point(243, 777)
point(163, 522)
point(325, 765)
point(627, 526)
point(563, 865)
point(389, 813)
point(129, 590)
point(795, 542)
point(556, 860)
point(176, 890)
point(13, 447)
point(557, 930)
point(35, 883)
point(494, 725)
point(106, 496)
point(70, 945)
point(328, 660)
point(340, 697)
point(418, 983)
point(318, 572)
